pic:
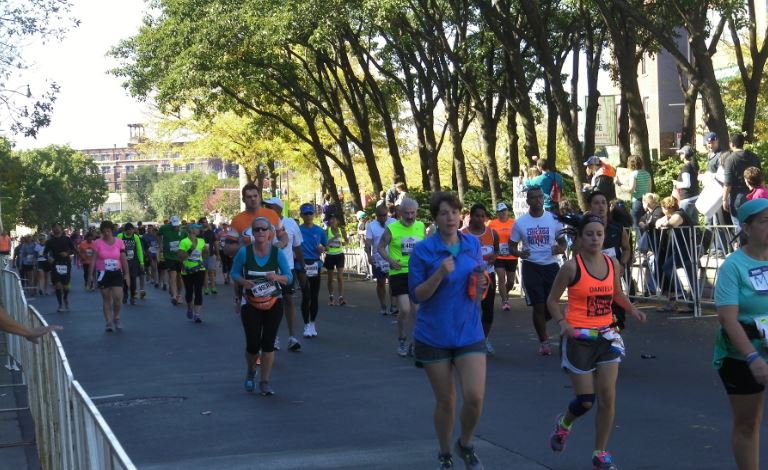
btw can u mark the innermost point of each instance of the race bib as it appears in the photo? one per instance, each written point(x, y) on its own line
point(62, 269)
point(111, 264)
point(264, 289)
point(89, 252)
point(312, 269)
point(129, 254)
point(610, 252)
point(504, 249)
point(196, 255)
point(334, 243)
point(175, 246)
point(406, 245)
point(153, 249)
point(29, 259)
point(486, 250)
point(758, 277)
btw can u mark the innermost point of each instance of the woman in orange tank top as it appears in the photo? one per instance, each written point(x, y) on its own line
point(591, 348)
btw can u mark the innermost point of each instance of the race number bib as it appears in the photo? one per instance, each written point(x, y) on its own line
point(111, 264)
point(264, 289)
point(758, 277)
point(486, 250)
point(406, 245)
point(312, 269)
point(196, 255)
point(175, 246)
point(62, 269)
point(334, 243)
point(29, 259)
point(504, 249)
point(89, 252)
point(153, 249)
point(129, 254)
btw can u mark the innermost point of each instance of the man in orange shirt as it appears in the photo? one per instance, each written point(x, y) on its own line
point(85, 252)
point(505, 264)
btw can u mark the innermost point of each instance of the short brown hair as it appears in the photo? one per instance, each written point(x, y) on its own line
point(249, 187)
point(754, 176)
point(635, 163)
point(440, 197)
point(669, 203)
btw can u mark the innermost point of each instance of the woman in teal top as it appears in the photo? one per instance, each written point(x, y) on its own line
point(741, 297)
point(192, 254)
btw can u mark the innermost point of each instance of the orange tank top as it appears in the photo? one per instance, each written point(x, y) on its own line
point(504, 229)
point(5, 243)
point(486, 241)
point(590, 299)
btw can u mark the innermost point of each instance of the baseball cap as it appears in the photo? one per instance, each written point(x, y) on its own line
point(686, 150)
point(593, 160)
point(128, 226)
point(501, 207)
point(275, 201)
point(307, 209)
point(175, 221)
point(752, 207)
point(360, 215)
point(711, 137)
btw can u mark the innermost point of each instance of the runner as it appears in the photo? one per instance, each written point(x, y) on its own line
point(505, 264)
point(134, 253)
point(314, 243)
point(373, 233)
point(170, 236)
point(226, 260)
point(260, 269)
point(108, 264)
point(84, 253)
point(489, 245)
point(43, 267)
point(295, 257)
point(58, 251)
point(28, 255)
point(152, 242)
point(542, 241)
point(395, 248)
point(448, 334)
point(211, 263)
point(740, 353)
point(591, 349)
point(192, 253)
point(5, 247)
point(334, 258)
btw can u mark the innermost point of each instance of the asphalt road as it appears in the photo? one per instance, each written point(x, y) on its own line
point(172, 392)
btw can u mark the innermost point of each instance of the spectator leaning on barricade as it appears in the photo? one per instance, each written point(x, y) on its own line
point(650, 238)
point(551, 184)
point(678, 253)
point(755, 180)
point(686, 187)
point(735, 189)
point(602, 174)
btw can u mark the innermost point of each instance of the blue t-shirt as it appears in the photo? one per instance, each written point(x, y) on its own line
point(239, 262)
point(312, 236)
point(450, 318)
point(545, 182)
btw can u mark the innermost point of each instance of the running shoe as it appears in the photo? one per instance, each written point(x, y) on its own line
point(174, 301)
point(277, 343)
point(384, 311)
point(313, 329)
point(109, 328)
point(331, 300)
point(198, 319)
point(468, 455)
point(214, 291)
point(341, 301)
point(250, 383)
point(206, 291)
point(393, 310)
point(266, 389)
point(544, 349)
point(189, 313)
point(444, 462)
point(505, 306)
point(118, 325)
point(293, 344)
point(60, 309)
point(489, 347)
point(402, 348)
point(307, 331)
point(559, 436)
point(602, 460)
point(142, 294)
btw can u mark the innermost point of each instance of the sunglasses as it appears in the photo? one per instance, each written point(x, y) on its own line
point(260, 229)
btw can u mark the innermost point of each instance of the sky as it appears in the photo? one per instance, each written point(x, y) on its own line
point(92, 110)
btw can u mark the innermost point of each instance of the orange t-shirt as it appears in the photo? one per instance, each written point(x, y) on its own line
point(86, 251)
point(590, 299)
point(504, 230)
point(486, 241)
point(242, 221)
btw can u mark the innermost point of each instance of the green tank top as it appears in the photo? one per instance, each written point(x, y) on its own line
point(403, 240)
point(257, 273)
point(334, 242)
point(194, 261)
point(171, 239)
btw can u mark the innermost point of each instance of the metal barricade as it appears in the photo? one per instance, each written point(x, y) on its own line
point(70, 431)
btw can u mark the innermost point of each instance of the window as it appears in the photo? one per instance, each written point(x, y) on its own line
point(129, 169)
point(190, 166)
point(647, 107)
point(118, 187)
point(166, 167)
point(105, 169)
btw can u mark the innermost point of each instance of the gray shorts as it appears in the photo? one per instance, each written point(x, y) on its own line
point(582, 356)
point(426, 354)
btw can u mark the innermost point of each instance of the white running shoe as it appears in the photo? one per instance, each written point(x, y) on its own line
point(277, 343)
point(307, 330)
point(293, 344)
point(313, 329)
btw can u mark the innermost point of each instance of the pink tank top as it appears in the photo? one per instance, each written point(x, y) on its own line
point(108, 256)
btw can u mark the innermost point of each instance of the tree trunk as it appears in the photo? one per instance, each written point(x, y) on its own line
point(457, 151)
point(551, 126)
point(690, 96)
point(513, 141)
point(624, 143)
point(488, 128)
point(593, 52)
point(638, 126)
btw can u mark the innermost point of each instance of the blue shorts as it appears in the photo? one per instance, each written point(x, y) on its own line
point(426, 354)
point(379, 273)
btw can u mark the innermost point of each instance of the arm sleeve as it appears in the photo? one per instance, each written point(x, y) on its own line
point(237, 264)
point(727, 288)
point(285, 269)
point(686, 180)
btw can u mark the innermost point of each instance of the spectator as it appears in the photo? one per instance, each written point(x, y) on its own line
point(687, 185)
point(547, 180)
point(675, 220)
point(735, 189)
point(755, 180)
point(649, 240)
point(640, 184)
point(602, 174)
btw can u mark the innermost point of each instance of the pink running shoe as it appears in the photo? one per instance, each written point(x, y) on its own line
point(559, 435)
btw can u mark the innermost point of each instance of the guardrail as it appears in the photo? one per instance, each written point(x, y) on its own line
point(70, 432)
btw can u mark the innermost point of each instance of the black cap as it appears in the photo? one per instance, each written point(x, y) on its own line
point(128, 226)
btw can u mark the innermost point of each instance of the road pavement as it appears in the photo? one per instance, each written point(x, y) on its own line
point(172, 391)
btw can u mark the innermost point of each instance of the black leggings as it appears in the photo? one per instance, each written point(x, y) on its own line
point(261, 326)
point(193, 284)
point(133, 268)
point(487, 304)
point(310, 290)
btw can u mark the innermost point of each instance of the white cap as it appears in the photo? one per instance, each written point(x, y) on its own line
point(175, 221)
point(501, 207)
point(275, 201)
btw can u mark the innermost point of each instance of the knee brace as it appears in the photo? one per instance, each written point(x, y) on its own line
point(581, 404)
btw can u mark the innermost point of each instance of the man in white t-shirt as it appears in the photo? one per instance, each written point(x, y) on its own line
point(543, 243)
point(293, 255)
point(373, 233)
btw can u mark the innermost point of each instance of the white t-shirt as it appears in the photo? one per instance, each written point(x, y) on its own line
point(373, 232)
point(294, 238)
point(538, 234)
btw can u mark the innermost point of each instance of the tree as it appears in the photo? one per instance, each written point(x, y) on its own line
point(59, 184)
point(22, 108)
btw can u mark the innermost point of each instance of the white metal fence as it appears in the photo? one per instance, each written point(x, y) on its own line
point(70, 432)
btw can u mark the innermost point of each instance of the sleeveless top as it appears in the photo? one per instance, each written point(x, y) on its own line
point(403, 240)
point(257, 273)
point(589, 298)
point(334, 242)
point(486, 245)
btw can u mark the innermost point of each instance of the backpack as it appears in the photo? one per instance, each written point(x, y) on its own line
point(555, 193)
